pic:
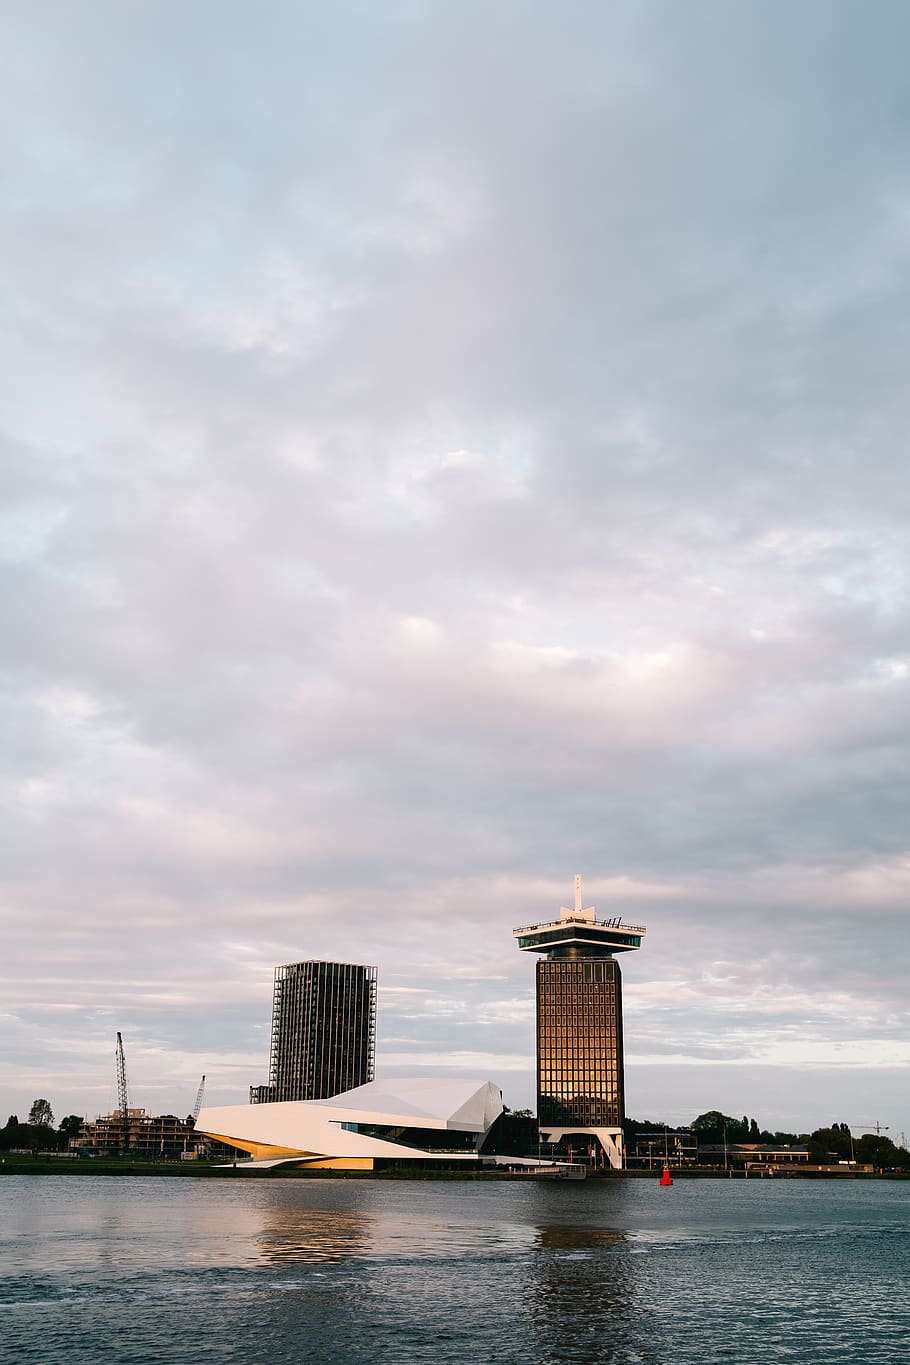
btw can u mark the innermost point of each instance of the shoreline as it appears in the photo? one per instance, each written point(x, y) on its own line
point(42, 1165)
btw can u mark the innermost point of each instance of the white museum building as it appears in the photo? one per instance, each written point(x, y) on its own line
point(421, 1119)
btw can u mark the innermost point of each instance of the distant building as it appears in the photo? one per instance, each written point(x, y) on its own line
point(580, 1092)
point(751, 1154)
point(143, 1135)
point(323, 1031)
point(656, 1149)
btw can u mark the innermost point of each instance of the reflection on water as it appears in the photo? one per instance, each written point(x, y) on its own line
point(582, 1292)
point(612, 1273)
point(315, 1236)
point(576, 1238)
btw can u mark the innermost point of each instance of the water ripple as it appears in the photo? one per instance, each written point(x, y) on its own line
point(274, 1272)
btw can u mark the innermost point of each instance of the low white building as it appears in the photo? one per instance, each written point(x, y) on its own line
point(418, 1119)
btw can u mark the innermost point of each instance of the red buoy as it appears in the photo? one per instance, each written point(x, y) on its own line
point(665, 1179)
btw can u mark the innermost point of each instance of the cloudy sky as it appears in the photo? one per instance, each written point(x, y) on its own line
point(445, 448)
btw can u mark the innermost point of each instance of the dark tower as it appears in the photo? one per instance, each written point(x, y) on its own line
point(579, 1024)
point(323, 1031)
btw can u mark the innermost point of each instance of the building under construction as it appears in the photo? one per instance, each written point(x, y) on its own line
point(323, 1031)
point(141, 1135)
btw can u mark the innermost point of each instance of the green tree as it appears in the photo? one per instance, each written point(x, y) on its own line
point(35, 1137)
point(830, 1144)
point(713, 1126)
point(69, 1128)
point(875, 1149)
point(41, 1115)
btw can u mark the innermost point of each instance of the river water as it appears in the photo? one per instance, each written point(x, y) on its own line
point(120, 1270)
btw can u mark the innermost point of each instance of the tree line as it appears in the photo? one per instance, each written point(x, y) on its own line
point(825, 1145)
point(37, 1133)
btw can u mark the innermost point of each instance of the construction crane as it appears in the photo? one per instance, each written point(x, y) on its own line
point(876, 1128)
point(123, 1101)
point(200, 1095)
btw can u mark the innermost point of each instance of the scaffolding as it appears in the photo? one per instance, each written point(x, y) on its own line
point(323, 1038)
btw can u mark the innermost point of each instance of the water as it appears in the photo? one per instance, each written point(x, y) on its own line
point(122, 1270)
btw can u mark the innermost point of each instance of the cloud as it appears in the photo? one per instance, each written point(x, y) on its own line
point(440, 453)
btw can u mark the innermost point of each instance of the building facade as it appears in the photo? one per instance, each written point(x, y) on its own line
point(323, 1031)
point(655, 1150)
point(580, 1084)
point(423, 1121)
point(579, 1043)
point(755, 1156)
point(144, 1136)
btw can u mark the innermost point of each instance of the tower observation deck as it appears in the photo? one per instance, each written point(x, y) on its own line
point(579, 933)
point(580, 1090)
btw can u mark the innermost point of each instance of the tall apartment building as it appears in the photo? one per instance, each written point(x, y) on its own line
point(323, 1031)
point(580, 1088)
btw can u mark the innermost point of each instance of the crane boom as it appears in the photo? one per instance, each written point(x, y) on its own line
point(200, 1094)
point(123, 1100)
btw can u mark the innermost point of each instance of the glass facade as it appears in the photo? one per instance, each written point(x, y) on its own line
point(579, 1042)
point(554, 936)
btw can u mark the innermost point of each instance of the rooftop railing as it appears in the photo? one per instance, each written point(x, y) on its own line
point(582, 919)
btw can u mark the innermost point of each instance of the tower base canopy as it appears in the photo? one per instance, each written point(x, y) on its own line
point(610, 1140)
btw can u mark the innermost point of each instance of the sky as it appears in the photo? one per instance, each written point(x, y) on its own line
point(445, 449)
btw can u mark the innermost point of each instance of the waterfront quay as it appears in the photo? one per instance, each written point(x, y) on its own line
point(57, 1164)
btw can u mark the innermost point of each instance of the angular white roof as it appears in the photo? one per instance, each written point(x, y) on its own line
point(427, 1101)
point(314, 1127)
